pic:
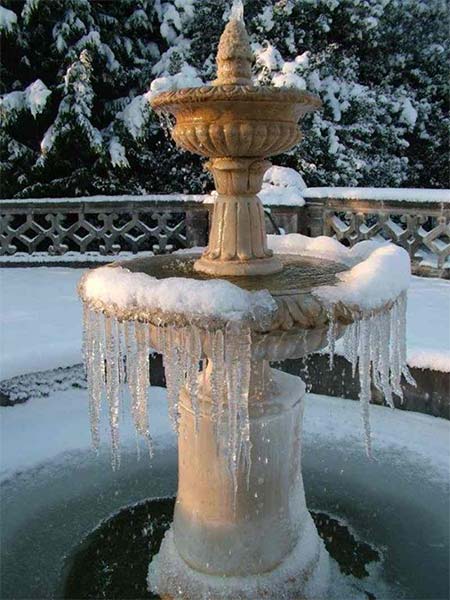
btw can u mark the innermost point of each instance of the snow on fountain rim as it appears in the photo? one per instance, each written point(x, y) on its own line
point(379, 271)
point(378, 274)
point(115, 285)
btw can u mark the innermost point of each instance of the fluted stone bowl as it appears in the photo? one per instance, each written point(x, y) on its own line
point(236, 120)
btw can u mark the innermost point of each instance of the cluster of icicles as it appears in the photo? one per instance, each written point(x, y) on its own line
point(376, 345)
point(117, 353)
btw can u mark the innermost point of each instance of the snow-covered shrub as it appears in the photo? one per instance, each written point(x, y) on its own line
point(77, 76)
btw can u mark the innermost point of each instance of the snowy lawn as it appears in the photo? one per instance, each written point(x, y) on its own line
point(40, 321)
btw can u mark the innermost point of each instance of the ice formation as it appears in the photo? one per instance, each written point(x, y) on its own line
point(212, 337)
point(117, 353)
point(375, 345)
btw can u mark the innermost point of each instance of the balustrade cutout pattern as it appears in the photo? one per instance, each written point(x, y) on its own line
point(109, 226)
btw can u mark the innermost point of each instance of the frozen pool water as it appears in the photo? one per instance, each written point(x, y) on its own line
point(55, 490)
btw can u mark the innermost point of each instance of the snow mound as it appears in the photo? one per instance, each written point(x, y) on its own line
point(33, 98)
point(187, 77)
point(282, 187)
point(380, 271)
point(214, 298)
point(8, 19)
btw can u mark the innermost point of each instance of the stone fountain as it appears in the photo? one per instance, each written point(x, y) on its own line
point(241, 527)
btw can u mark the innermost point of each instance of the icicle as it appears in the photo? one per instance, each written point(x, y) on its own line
point(122, 351)
point(403, 302)
point(364, 379)
point(384, 356)
point(137, 374)
point(395, 356)
point(112, 387)
point(94, 358)
point(142, 381)
point(217, 381)
point(174, 370)
point(86, 347)
point(331, 335)
point(237, 374)
point(377, 344)
point(193, 352)
point(374, 346)
point(131, 366)
point(351, 338)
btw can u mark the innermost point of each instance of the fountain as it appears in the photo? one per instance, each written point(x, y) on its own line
point(241, 528)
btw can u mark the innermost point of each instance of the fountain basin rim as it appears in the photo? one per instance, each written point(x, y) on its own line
point(164, 101)
point(281, 310)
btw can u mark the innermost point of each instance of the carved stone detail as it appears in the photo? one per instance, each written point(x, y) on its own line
point(104, 228)
point(235, 139)
point(423, 229)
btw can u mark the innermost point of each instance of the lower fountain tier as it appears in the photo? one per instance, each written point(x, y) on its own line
point(250, 536)
point(290, 305)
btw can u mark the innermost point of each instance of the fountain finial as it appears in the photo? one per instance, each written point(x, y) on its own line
point(234, 55)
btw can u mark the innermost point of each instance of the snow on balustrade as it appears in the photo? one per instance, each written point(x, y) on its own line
point(380, 194)
point(210, 336)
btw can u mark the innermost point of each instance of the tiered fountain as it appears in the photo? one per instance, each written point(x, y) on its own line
point(241, 528)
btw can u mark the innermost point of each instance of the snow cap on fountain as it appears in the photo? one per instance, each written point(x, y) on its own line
point(234, 56)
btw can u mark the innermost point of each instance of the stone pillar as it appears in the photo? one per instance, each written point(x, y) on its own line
point(259, 541)
point(315, 211)
point(237, 240)
point(196, 228)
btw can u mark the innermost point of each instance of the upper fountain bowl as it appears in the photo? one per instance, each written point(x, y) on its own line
point(233, 118)
point(236, 120)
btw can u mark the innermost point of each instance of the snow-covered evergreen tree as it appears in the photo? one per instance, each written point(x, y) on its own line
point(76, 76)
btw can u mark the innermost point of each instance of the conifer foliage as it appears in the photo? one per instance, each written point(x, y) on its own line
point(77, 75)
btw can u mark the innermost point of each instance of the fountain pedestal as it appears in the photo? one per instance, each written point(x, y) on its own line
point(238, 241)
point(241, 537)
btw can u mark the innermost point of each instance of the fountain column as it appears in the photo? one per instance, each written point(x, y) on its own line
point(243, 537)
point(238, 241)
point(241, 528)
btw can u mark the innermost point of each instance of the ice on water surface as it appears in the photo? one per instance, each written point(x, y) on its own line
point(117, 353)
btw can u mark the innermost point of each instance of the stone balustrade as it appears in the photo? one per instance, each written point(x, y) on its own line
point(100, 227)
point(418, 220)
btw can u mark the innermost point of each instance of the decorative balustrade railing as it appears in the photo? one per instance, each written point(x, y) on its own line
point(418, 220)
point(100, 227)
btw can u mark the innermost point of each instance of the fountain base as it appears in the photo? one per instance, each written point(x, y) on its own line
point(230, 268)
point(303, 575)
point(249, 536)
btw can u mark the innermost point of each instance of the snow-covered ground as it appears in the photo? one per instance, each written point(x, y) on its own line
point(40, 321)
point(44, 428)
